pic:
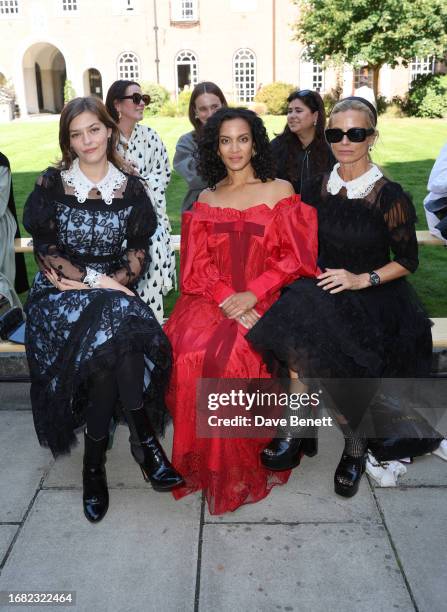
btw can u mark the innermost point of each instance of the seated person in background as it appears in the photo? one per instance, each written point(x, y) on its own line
point(9, 263)
point(435, 204)
point(206, 99)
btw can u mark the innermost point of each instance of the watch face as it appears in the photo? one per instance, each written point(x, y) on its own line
point(374, 278)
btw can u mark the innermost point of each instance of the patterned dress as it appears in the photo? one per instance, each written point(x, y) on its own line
point(70, 335)
point(146, 149)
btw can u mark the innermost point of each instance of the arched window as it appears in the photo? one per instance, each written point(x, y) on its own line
point(128, 66)
point(311, 73)
point(244, 75)
point(422, 65)
point(186, 72)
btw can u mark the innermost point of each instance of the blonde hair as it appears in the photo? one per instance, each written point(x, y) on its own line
point(355, 105)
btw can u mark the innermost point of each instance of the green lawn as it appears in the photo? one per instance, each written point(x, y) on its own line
point(406, 150)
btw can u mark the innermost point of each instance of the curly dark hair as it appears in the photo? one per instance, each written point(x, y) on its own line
point(211, 167)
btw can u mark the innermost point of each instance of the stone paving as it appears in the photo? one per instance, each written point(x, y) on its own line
point(301, 549)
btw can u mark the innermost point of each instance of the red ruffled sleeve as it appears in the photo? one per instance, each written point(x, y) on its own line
point(198, 275)
point(292, 248)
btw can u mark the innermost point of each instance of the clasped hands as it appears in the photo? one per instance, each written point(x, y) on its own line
point(65, 284)
point(240, 306)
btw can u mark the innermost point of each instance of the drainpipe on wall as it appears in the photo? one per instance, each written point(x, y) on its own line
point(273, 41)
point(157, 59)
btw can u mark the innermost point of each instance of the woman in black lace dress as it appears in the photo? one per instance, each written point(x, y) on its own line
point(360, 318)
point(89, 339)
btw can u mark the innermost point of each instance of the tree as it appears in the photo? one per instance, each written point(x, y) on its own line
point(69, 92)
point(375, 33)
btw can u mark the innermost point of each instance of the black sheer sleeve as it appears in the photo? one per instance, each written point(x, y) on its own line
point(141, 225)
point(400, 217)
point(39, 219)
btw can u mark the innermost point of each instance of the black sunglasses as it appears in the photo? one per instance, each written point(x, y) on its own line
point(136, 98)
point(353, 134)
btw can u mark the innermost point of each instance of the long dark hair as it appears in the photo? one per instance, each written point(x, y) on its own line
point(211, 167)
point(320, 149)
point(74, 108)
point(205, 87)
point(116, 91)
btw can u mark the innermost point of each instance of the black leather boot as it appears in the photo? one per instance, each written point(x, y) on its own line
point(148, 453)
point(286, 453)
point(348, 475)
point(96, 495)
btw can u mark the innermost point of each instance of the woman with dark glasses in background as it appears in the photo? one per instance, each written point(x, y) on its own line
point(359, 318)
point(301, 151)
point(142, 147)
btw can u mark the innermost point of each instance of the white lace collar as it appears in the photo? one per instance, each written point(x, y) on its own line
point(359, 187)
point(74, 177)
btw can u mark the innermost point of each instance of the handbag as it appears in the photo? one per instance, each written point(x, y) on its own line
point(12, 326)
point(403, 432)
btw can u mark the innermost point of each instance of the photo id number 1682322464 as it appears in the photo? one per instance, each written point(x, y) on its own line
point(37, 598)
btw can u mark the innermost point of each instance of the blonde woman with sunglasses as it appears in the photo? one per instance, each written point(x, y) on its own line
point(359, 318)
point(144, 150)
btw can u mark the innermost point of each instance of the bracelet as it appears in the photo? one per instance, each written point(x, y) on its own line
point(92, 278)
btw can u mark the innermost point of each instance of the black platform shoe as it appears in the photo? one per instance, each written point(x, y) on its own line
point(285, 453)
point(148, 453)
point(348, 475)
point(96, 495)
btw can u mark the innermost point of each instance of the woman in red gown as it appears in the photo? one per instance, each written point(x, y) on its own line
point(248, 236)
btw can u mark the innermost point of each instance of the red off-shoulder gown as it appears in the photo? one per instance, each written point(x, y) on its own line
point(224, 250)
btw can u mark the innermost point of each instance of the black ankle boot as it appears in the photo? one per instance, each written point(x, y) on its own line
point(96, 495)
point(348, 475)
point(285, 453)
point(148, 453)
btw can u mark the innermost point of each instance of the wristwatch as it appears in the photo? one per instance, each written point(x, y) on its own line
point(374, 279)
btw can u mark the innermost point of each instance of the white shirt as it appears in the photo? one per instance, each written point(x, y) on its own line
point(437, 187)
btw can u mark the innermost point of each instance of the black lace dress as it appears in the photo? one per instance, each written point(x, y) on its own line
point(70, 335)
point(380, 331)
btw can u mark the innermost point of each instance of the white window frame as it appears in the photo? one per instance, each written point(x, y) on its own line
point(422, 65)
point(186, 57)
point(185, 10)
point(128, 70)
point(69, 6)
point(244, 75)
point(317, 77)
point(357, 76)
point(313, 73)
point(9, 9)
